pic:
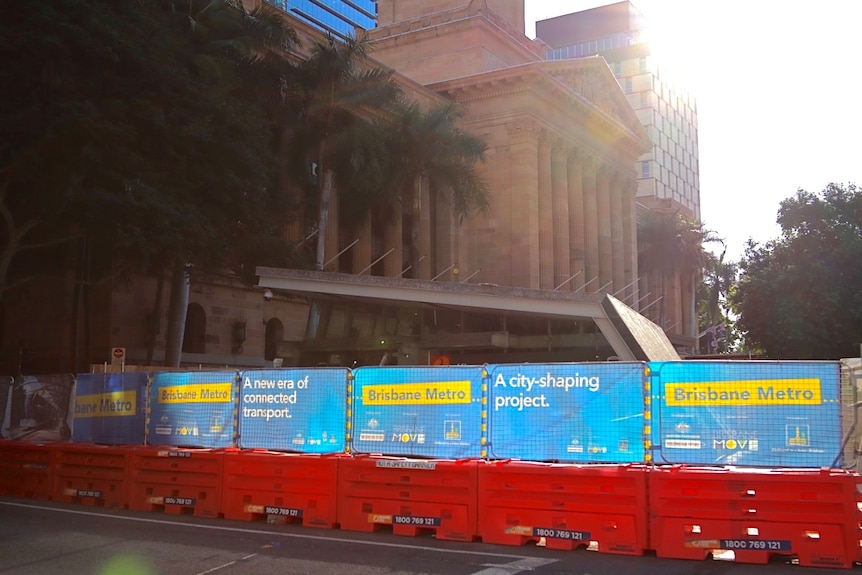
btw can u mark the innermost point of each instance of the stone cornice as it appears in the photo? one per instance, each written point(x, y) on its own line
point(532, 78)
point(445, 17)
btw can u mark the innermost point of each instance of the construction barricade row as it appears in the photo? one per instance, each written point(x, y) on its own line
point(281, 487)
point(812, 515)
point(409, 495)
point(602, 507)
point(25, 469)
point(679, 512)
point(90, 474)
point(176, 480)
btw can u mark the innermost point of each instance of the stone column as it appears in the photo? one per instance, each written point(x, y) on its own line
point(522, 217)
point(425, 235)
point(603, 199)
point(331, 246)
point(392, 238)
point(546, 220)
point(630, 248)
point(591, 224)
point(560, 203)
point(445, 228)
point(617, 246)
point(361, 253)
point(576, 219)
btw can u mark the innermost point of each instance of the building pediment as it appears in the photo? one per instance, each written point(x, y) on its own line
point(571, 96)
point(593, 79)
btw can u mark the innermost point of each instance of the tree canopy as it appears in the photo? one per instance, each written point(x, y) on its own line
point(337, 96)
point(716, 326)
point(428, 145)
point(800, 296)
point(129, 123)
point(670, 244)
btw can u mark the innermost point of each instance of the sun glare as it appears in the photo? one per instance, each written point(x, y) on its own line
point(679, 41)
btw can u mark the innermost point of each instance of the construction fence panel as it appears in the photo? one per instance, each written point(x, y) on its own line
point(110, 408)
point(193, 409)
point(302, 410)
point(754, 413)
point(567, 412)
point(430, 411)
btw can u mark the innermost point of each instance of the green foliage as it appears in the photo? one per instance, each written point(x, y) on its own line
point(670, 244)
point(129, 122)
point(800, 296)
point(337, 93)
point(429, 146)
point(716, 325)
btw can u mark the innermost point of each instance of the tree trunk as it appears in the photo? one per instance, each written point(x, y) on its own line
point(177, 315)
point(313, 322)
point(661, 304)
point(155, 318)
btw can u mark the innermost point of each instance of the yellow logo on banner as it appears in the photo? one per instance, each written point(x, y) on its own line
point(805, 391)
point(117, 403)
point(198, 393)
point(426, 393)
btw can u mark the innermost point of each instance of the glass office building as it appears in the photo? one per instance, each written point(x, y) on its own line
point(337, 17)
point(619, 32)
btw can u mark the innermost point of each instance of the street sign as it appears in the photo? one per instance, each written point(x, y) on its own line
point(118, 355)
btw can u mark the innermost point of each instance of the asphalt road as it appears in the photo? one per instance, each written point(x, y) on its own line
point(38, 538)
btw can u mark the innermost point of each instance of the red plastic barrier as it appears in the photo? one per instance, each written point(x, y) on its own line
point(566, 505)
point(807, 513)
point(90, 474)
point(176, 480)
point(280, 487)
point(410, 495)
point(25, 469)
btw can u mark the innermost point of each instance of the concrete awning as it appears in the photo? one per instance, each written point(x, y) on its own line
point(632, 336)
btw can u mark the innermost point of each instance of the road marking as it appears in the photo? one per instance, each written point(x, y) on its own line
point(198, 526)
point(228, 564)
point(520, 566)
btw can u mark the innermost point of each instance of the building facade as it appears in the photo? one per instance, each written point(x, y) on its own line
point(669, 171)
point(562, 171)
point(340, 18)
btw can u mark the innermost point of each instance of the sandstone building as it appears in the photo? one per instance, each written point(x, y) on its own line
point(550, 274)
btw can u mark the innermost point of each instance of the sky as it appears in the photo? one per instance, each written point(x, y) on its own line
point(779, 94)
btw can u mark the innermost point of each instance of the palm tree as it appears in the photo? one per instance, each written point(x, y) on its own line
point(670, 245)
point(340, 94)
point(719, 278)
point(245, 46)
point(429, 147)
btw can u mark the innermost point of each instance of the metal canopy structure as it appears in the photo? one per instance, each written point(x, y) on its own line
point(632, 336)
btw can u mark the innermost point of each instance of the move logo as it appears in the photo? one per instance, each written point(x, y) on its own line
point(418, 438)
point(735, 444)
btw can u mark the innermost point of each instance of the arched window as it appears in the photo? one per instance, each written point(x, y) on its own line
point(274, 335)
point(194, 340)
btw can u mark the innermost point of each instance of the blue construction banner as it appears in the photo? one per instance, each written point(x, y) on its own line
point(567, 412)
point(300, 409)
point(752, 413)
point(428, 411)
point(193, 409)
point(110, 408)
